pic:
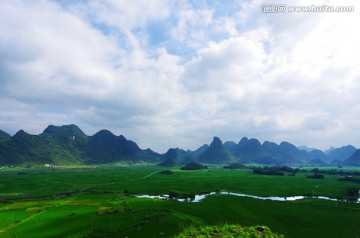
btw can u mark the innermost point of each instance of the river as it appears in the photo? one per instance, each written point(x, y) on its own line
point(200, 197)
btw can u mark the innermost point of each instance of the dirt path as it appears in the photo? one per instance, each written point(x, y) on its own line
point(151, 174)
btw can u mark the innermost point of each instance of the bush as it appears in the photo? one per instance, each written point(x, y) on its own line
point(353, 192)
point(268, 171)
point(173, 194)
point(350, 179)
point(166, 172)
point(316, 176)
point(193, 166)
point(229, 231)
point(234, 166)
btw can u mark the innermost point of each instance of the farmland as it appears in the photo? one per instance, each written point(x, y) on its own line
point(101, 202)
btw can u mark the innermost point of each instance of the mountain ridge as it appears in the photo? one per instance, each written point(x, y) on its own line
point(68, 144)
point(216, 153)
point(354, 159)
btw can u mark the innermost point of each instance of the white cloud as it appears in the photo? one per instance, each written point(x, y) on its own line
point(58, 61)
point(227, 71)
point(292, 86)
point(128, 14)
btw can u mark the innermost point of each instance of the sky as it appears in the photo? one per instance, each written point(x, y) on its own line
point(171, 74)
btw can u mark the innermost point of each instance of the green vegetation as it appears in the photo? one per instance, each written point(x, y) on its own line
point(229, 231)
point(235, 166)
point(166, 172)
point(193, 166)
point(216, 153)
point(68, 145)
point(316, 176)
point(100, 201)
point(354, 159)
point(168, 163)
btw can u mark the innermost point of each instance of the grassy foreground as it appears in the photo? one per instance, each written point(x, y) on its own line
point(100, 202)
point(229, 231)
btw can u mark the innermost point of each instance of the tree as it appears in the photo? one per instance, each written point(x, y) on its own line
point(173, 194)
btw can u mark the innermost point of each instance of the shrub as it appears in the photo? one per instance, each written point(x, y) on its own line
point(234, 166)
point(193, 166)
point(229, 231)
point(316, 176)
point(166, 172)
point(353, 192)
point(173, 194)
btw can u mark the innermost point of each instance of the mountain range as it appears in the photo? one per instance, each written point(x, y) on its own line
point(68, 145)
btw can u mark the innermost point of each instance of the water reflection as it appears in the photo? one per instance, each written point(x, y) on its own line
point(200, 197)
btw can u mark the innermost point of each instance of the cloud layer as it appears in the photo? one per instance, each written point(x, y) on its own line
point(174, 74)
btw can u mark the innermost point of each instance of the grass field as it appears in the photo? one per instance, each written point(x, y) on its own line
point(100, 202)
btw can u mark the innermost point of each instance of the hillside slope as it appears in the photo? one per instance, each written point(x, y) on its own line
point(68, 144)
point(216, 154)
point(354, 159)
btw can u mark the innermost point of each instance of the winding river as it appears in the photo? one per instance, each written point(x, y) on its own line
point(200, 197)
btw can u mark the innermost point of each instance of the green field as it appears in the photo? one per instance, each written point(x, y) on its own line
point(101, 202)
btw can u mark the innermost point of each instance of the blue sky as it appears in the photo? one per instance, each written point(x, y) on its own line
point(176, 73)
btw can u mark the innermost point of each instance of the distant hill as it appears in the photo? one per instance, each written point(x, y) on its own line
point(307, 149)
point(171, 154)
point(317, 161)
point(270, 149)
point(65, 145)
point(266, 160)
point(336, 162)
point(230, 146)
point(201, 149)
point(216, 154)
point(329, 150)
point(317, 154)
point(4, 136)
point(290, 154)
point(252, 151)
point(105, 147)
point(168, 163)
point(25, 148)
point(65, 133)
point(69, 145)
point(341, 153)
point(248, 150)
point(354, 159)
point(178, 155)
